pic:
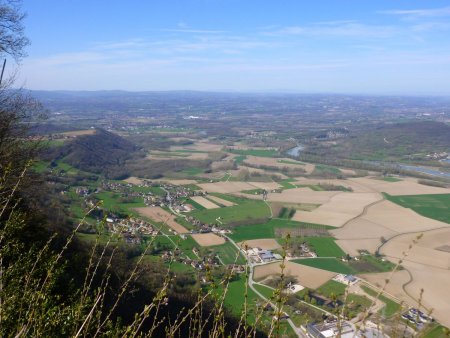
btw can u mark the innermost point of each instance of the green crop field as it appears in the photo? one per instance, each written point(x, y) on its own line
point(163, 241)
point(332, 287)
point(264, 290)
point(235, 297)
point(290, 162)
point(321, 168)
point(245, 210)
point(391, 179)
point(112, 201)
point(197, 206)
point(227, 253)
point(325, 246)
point(286, 184)
point(391, 307)
point(102, 239)
point(180, 267)
point(63, 166)
point(255, 152)
point(239, 159)
point(193, 187)
point(154, 190)
point(371, 263)
point(253, 191)
point(329, 264)
point(437, 331)
point(267, 230)
point(40, 166)
point(433, 206)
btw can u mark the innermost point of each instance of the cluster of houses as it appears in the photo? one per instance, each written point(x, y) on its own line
point(438, 156)
point(204, 228)
point(130, 228)
point(258, 255)
point(198, 264)
point(417, 317)
point(300, 250)
point(126, 190)
point(332, 328)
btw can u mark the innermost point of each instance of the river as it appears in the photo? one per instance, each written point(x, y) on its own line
point(295, 152)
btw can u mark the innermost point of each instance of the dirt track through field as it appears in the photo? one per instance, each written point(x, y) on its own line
point(340, 209)
point(302, 195)
point(391, 228)
point(408, 186)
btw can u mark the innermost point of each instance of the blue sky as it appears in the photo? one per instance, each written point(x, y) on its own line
point(345, 46)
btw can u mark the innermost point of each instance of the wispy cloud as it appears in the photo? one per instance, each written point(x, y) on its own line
point(337, 29)
point(196, 31)
point(419, 13)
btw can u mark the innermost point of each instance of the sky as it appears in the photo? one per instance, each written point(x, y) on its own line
point(334, 46)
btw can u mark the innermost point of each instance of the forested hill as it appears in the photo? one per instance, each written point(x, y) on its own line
point(101, 152)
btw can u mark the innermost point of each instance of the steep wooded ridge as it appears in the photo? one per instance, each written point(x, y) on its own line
point(91, 152)
point(102, 152)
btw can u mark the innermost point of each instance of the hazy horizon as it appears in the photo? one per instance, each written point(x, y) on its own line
point(352, 47)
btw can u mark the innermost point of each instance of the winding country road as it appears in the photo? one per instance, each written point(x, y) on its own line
point(297, 331)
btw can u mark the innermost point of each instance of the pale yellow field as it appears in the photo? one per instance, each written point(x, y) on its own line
point(265, 185)
point(435, 283)
point(355, 186)
point(266, 243)
point(340, 209)
point(309, 168)
point(177, 182)
point(383, 219)
point(204, 202)
point(133, 180)
point(307, 276)
point(208, 239)
point(399, 219)
point(425, 251)
point(160, 215)
point(428, 266)
point(301, 195)
point(361, 234)
point(273, 162)
point(407, 284)
point(226, 187)
point(408, 186)
point(244, 169)
point(224, 164)
point(221, 201)
point(351, 246)
point(395, 285)
point(348, 172)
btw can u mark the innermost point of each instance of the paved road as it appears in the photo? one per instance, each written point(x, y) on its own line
point(298, 331)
